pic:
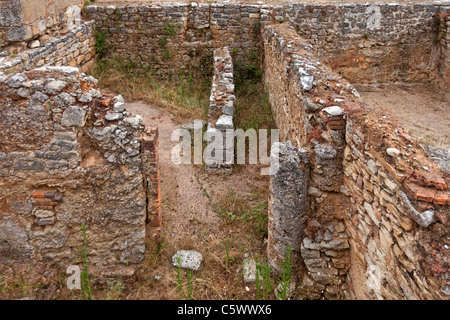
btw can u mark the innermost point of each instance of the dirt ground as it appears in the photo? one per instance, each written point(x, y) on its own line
point(191, 222)
point(423, 111)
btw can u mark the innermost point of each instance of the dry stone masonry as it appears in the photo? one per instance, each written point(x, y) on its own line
point(220, 118)
point(75, 49)
point(72, 157)
point(30, 24)
point(377, 213)
point(363, 206)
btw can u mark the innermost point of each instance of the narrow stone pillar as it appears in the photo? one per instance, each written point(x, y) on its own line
point(220, 157)
point(287, 202)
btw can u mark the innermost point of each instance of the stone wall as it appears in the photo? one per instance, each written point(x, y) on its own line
point(370, 42)
point(28, 22)
point(178, 36)
point(364, 42)
point(287, 203)
point(398, 220)
point(72, 157)
point(376, 222)
point(309, 102)
point(75, 49)
point(220, 116)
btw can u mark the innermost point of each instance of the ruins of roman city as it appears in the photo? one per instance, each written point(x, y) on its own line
point(347, 198)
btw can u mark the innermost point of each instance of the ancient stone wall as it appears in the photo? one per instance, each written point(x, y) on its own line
point(72, 157)
point(75, 49)
point(220, 116)
point(169, 37)
point(377, 208)
point(29, 23)
point(309, 101)
point(364, 42)
point(370, 42)
point(398, 220)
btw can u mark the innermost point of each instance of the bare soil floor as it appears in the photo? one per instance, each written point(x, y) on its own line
point(191, 221)
point(199, 212)
point(422, 110)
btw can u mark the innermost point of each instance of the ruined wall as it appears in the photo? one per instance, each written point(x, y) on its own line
point(444, 41)
point(364, 42)
point(308, 101)
point(221, 113)
point(376, 223)
point(369, 42)
point(71, 157)
point(178, 36)
point(74, 49)
point(398, 220)
point(28, 22)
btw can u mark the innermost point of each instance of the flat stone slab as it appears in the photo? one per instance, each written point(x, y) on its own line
point(224, 122)
point(249, 270)
point(188, 259)
point(333, 111)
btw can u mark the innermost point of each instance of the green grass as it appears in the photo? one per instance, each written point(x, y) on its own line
point(85, 284)
point(184, 93)
point(250, 209)
point(285, 276)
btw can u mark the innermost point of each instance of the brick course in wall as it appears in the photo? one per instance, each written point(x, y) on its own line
point(73, 157)
point(377, 222)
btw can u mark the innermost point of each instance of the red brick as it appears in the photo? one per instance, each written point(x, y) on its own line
point(442, 197)
point(421, 193)
point(106, 100)
point(352, 107)
point(431, 179)
point(336, 124)
point(38, 194)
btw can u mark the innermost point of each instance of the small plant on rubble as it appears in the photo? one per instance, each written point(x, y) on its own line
point(115, 289)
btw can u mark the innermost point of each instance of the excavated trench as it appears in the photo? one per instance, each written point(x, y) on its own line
point(362, 204)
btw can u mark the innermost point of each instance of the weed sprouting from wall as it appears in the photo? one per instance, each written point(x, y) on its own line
point(171, 28)
point(100, 43)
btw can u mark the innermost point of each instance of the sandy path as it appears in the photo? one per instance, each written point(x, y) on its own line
point(186, 210)
point(191, 223)
point(182, 197)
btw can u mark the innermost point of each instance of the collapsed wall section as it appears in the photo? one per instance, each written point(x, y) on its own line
point(376, 223)
point(71, 157)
